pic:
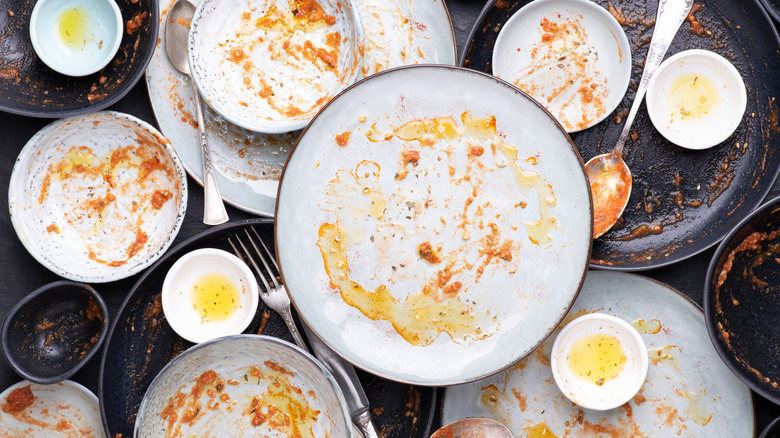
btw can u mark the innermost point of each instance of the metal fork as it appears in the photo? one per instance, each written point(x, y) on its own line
point(273, 294)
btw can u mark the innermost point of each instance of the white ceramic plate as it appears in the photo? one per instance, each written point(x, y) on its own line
point(267, 67)
point(64, 409)
point(248, 374)
point(570, 55)
point(97, 198)
point(511, 234)
point(688, 390)
point(249, 164)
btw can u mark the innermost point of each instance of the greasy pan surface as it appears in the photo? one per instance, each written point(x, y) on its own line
point(742, 301)
point(30, 88)
point(682, 201)
point(141, 342)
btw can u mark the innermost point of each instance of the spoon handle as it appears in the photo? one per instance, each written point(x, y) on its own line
point(671, 15)
point(213, 208)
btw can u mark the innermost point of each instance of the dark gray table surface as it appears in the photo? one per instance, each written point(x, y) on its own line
point(24, 274)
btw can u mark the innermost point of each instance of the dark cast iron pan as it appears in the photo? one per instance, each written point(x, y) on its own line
point(696, 197)
point(141, 342)
point(30, 88)
point(742, 300)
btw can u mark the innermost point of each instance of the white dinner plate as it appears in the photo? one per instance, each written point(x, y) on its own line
point(64, 409)
point(570, 55)
point(688, 391)
point(248, 164)
point(471, 231)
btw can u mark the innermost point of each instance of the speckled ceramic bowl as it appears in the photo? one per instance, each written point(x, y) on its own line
point(234, 376)
point(97, 198)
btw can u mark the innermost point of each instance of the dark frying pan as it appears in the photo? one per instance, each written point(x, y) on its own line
point(30, 88)
point(141, 342)
point(695, 197)
point(742, 300)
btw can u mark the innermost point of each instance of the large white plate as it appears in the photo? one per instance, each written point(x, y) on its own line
point(577, 65)
point(249, 164)
point(64, 409)
point(688, 390)
point(471, 205)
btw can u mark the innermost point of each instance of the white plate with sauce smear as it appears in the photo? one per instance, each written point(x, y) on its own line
point(688, 390)
point(249, 164)
point(438, 233)
point(64, 409)
point(570, 55)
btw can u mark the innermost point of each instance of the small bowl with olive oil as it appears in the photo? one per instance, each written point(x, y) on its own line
point(209, 293)
point(76, 37)
point(696, 99)
point(599, 361)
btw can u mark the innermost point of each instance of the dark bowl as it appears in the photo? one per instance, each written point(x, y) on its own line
point(30, 88)
point(772, 430)
point(52, 332)
point(742, 300)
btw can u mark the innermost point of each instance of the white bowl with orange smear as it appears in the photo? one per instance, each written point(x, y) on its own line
point(209, 293)
point(599, 361)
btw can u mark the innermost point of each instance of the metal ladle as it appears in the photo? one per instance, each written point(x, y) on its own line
point(609, 177)
point(176, 30)
point(474, 428)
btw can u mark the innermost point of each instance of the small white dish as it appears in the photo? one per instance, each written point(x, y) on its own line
point(76, 37)
point(599, 361)
point(572, 56)
point(266, 69)
point(209, 293)
point(60, 409)
point(696, 99)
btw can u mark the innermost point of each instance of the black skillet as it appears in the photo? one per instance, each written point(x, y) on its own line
point(695, 196)
point(30, 88)
point(141, 342)
point(742, 300)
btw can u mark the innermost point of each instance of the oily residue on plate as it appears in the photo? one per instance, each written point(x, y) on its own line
point(60, 409)
point(274, 405)
point(563, 56)
point(104, 199)
point(453, 248)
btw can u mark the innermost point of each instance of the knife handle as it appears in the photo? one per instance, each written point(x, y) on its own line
point(365, 423)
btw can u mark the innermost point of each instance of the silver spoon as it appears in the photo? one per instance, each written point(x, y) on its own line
point(473, 428)
point(609, 177)
point(176, 30)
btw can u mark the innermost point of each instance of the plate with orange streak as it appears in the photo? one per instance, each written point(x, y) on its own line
point(438, 233)
point(249, 163)
point(570, 55)
point(97, 198)
point(688, 390)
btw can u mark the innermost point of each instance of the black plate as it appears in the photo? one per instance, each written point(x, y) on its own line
point(30, 88)
point(742, 300)
point(696, 197)
point(141, 342)
point(773, 7)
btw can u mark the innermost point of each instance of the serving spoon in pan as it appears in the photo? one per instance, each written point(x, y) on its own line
point(609, 177)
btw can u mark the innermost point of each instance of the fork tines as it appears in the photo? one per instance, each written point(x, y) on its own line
point(268, 276)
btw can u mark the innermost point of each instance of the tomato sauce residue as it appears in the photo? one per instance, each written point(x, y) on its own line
point(279, 407)
point(564, 74)
point(19, 399)
point(109, 198)
point(343, 138)
point(437, 301)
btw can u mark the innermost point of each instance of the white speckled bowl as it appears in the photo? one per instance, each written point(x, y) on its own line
point(177, 301)
point(265, 79)
point(231, 358)
point(726, 113)
point(86, 219)
point(102, 26)
point(54, 406)
point(615, 391)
